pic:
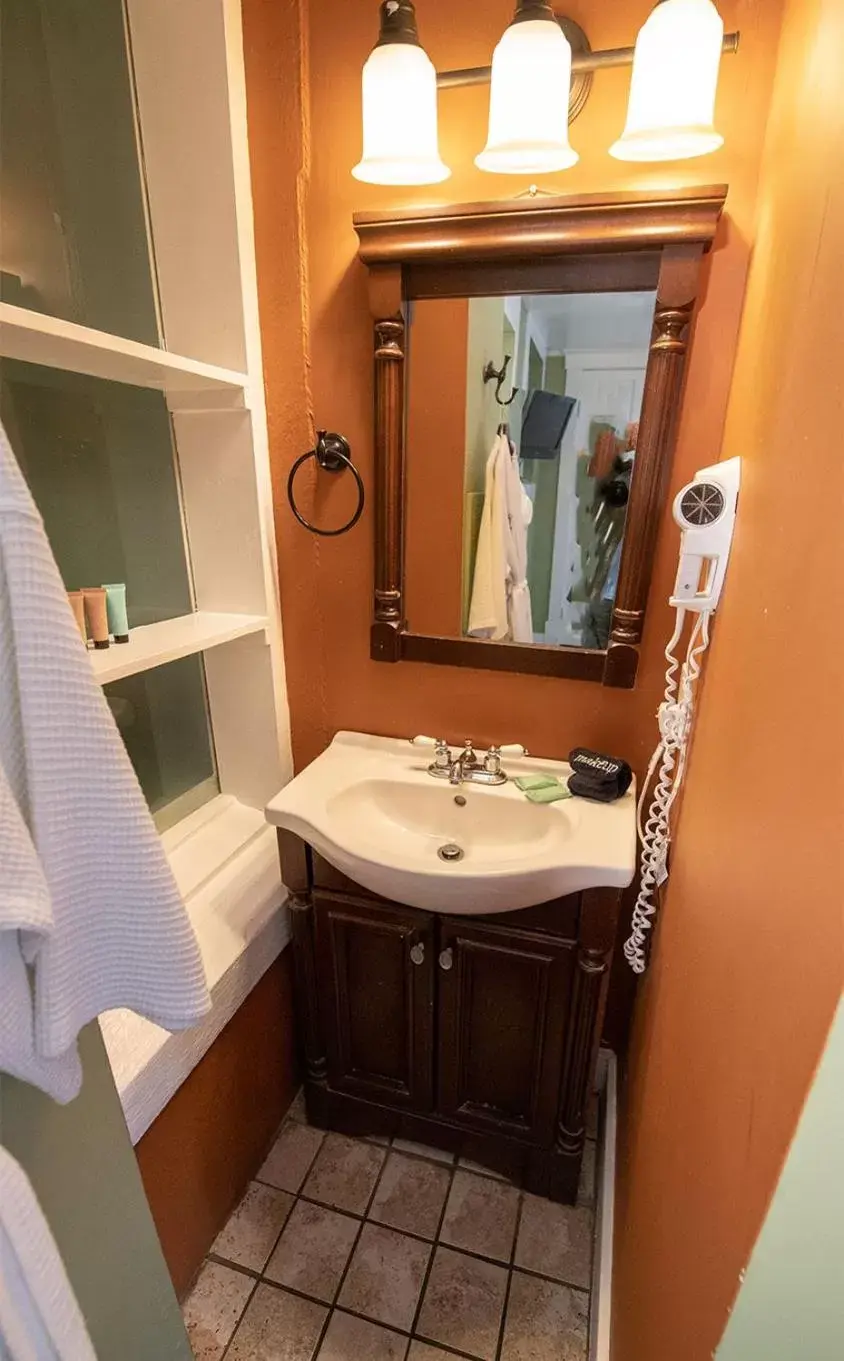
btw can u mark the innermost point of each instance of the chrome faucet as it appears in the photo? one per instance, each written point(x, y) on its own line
point(466, 768)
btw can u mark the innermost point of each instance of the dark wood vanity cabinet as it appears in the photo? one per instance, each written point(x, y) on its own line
point(375, 976)
point(503, 1008)
point(476, 1033)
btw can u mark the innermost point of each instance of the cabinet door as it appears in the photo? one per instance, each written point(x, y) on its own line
point(376, 980)
point(504, 1005)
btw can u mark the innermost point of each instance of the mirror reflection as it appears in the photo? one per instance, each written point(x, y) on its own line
point(522, 423)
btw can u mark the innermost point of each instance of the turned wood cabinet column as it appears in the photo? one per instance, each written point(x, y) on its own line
point(296, 875)
point(307, 992)
point(599, 919)
point(679, 280)
point(387, 309)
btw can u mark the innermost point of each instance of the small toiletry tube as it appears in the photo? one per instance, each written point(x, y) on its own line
point(77, 604)
point(118, 619)
point(97, 615)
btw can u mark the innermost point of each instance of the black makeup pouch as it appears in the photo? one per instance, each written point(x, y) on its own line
point(599, 777)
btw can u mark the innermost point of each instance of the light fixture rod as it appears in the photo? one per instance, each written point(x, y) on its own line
point(590, 61)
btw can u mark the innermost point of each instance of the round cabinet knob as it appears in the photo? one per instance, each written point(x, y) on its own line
point(417, 954)
point(447, 960)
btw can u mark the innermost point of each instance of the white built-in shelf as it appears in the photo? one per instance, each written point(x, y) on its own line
point(40, 339)
point(155, 644)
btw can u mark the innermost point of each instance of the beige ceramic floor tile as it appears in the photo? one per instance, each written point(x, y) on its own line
point(420, 1351)
point(464, 1299)
point(297, 1109)
point(251, 1232)
point(556, 1240)
point(289, 1160)
point(277, 1327)
point(411, 1195)
point(385, 1277)
point(436, 1155)
point(545, 1322)
point(353, 1339)
point(481, 1216)
point(313, 1251)
point(345, 1173)
point(586, 1191)
point(212, 1309)
point(468, 1166)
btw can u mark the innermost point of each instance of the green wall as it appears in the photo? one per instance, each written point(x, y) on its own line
point(791, 1304)
point(545, 474)
point(82, 1167)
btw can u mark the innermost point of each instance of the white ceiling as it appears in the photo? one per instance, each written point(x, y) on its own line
point(593, 321)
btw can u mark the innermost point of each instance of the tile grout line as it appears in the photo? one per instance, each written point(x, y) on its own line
point(509, 1283)
point(293, 1194)
point(331, 1306)
point(334, 1305)
point(434, 1247)
point(260, 1279)
point(242, 1316)
point(233, 1266)
point(293, 1199)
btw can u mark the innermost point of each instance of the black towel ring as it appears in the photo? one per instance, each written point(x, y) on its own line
point(333, 454)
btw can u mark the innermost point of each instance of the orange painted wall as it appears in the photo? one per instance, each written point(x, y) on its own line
point(749, 962)
point(326, 584)
point(436, 432)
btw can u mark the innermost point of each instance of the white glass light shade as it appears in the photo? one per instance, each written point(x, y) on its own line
point(529, 102)
point(400, 118)
point(671, 112)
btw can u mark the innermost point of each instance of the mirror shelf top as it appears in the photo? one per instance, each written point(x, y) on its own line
point(643, 252)
point(544, 225)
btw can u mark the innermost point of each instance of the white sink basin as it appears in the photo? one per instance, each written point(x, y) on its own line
point(368, 805)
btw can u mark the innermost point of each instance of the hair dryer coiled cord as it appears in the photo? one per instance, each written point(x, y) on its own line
point(675, 720)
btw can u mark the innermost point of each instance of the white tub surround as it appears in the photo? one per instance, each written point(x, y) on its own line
point(225, 859)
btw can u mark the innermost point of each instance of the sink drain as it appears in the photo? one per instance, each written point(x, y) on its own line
point(450, 852)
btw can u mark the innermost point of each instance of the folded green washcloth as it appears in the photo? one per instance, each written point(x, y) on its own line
point(526, 782)
point(542, 788)
point(549, 794)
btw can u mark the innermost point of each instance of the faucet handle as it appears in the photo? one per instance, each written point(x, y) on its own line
point(492, 761)
point(442, 761)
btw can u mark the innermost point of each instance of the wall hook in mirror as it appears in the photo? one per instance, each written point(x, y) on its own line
point(499, 376)
point(333, 454)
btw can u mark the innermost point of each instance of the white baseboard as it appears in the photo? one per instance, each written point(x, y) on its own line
point(601, 1313)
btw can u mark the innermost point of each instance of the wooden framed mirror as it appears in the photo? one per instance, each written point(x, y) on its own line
point(590, 301)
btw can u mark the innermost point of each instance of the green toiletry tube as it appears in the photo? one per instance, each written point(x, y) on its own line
point(118, 619)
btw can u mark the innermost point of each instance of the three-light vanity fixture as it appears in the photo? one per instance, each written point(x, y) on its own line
point(541, 76)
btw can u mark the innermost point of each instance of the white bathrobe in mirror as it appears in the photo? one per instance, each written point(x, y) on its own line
point(500, 609)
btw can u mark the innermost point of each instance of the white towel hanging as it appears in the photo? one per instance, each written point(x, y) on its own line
point(112, 930)
point(500, 608)
point(40, 1319)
